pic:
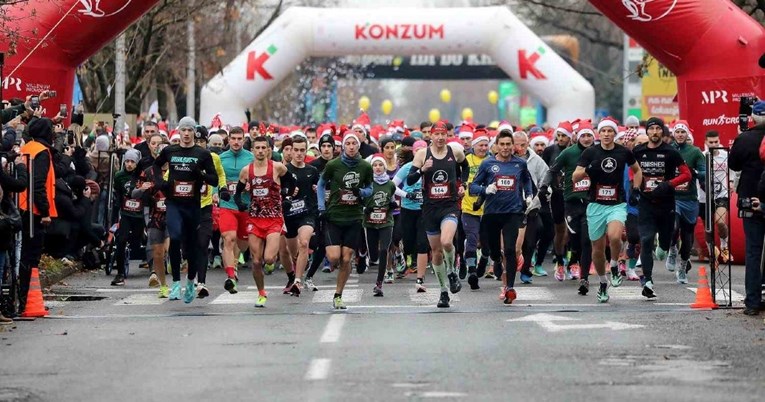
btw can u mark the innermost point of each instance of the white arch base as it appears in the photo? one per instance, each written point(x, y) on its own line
point(303, 32)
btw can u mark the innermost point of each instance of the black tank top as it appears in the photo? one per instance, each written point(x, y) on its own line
point(440, 182)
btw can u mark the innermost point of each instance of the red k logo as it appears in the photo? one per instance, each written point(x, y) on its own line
point(526, 64)
point(255, 64)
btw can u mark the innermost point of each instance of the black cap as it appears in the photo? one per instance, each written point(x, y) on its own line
point(654, 121)
point(326, 138)
point(41, 128)
point(408, 141)
point(200, 133)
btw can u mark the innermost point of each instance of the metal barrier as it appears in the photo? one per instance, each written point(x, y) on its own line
point(718, 189)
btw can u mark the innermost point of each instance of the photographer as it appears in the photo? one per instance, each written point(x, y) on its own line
point(745, 158)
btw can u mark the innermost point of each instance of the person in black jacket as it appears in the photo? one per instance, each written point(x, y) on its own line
point(745, 158)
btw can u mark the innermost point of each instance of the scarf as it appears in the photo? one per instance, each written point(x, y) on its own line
point(348, 161)
point(381, 178)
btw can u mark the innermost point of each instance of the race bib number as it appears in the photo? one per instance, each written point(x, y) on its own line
point(231, 187)
point(505, 183)
point(160, 205)
point(440, 191)
point(605, 193)
point(418, 196)
point(183, 189)
point(259, 192)
point(377, 216)
point(297, 206)
point(683, 187)
point(132, 205)
point(582, 185)
point(348, 198)
point(651, 183)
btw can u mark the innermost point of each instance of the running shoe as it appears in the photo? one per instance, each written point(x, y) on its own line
point(361, 265)
point(584, 287)
point(338, 303)
point(632, 275)
point(142, 264)
point(648, 290)
point(463, 271)
point(288, 287)
point(510, 295)
point(443, 301)
point(616, 278)
point(190, 294)
point(681, 276)
point(661, 254)
point(153, 280)
point(671, 262)
point(420, 286)
point(638, 263)
point(560, 272)
point(539, 271)
point(454, 283)
point(568, 273)
point(688, 266)
point(118, 280)
point(295, 289)
point(261, 301)
point(269, 268)
point(389, 277)
point(526, 277)
point(473, 281)
point(230, 285)
point(202, 291)
point(309, 284)
point(623, 267)
point(576, 271)
point(217, 262)
point(725, 256)
point(603, 293)
point(326, 269)
point(175, 291)
point(377, 291)
point(164, 292)
point(489, 274)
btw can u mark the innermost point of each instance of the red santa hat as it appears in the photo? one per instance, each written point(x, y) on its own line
point(608, 122)
point(565, 128)
point(585, 127)
point(480, 134)
point(363, 121)
point(681, 125)
point(338, 140)
point(539, 139)
point(377, 157)
point(466, 131)
point(504, 125)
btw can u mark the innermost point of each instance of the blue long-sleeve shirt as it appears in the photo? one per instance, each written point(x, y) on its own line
point(513, 182)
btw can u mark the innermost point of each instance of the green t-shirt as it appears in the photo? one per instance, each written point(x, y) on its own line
point(697, 164)
point(377, 214)
point(567, 161)
point(343, 205)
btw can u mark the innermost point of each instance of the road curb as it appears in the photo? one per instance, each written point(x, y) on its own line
point(48, 279)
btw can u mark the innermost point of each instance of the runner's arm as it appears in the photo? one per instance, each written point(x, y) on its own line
point(209, 175)
point(683, 177)
point(401, 193)
point(637, 179)
point(414, 171)
point(579, 174)
point(463, 170)
point(478, 187)
point(321, 193)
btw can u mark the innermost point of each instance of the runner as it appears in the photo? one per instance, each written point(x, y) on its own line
point(604, 164)
point(563, 138)
point(575, 195)
point(471, 218)
point(327, 149)
point(349, 179)
point(157, 237)
point(721, 196)
point(268, 181)
point(190, 167)
point(506, 182)
point(131, 212)
point(686, 201)
point(300, 216)
point(659, 163)
point(437, 165)
point(232, 222)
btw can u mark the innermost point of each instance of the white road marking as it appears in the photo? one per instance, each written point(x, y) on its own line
point(333, 329)
point(547, 322)
point(720, 295)
point(238, 298)
point(124, 290)
point(534, 293)
point(435, 394)
point(318, 370)
point(349, 296)
point(140, 299)
point(626, 293)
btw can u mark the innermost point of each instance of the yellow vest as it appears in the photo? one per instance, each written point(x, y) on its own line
point(207, 196)
point(468, 200)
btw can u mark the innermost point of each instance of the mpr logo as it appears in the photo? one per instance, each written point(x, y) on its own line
point(712, 97)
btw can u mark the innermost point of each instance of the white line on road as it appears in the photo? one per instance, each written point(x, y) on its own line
point(319, 369)
point(333, 329)
point(435, 394)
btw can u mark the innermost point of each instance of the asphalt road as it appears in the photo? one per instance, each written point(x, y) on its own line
point(551, 344)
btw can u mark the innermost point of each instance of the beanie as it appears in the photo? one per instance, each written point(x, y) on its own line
point(408, 141)
point(418, 145)
point(631, 121)
point(654, 121)
point(102, 143)
point(77, 184)
point(132, 155)
point(187, 122)
point(41, 128)
point(200, 133)
point(326, 138)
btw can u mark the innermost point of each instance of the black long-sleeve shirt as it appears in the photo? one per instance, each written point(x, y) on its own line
point(744, 157)
point(189, 170)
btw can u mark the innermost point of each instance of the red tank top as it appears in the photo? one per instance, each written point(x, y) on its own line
point(265, 194)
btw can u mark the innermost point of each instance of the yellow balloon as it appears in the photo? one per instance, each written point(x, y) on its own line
point(493, 97)
point(364, 103)
point(434, 115)
point(467, 113)
point(386, 107)
point(494, 124)
point(446, 95)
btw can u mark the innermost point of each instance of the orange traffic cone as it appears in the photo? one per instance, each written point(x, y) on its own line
point(703, 295)
point(35, 305)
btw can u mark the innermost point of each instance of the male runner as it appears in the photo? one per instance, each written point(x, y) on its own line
point(720, 195)
point(349, 179)
point(506, 182)
point(437, 165)
point(232, 222)
point(190, 167)
point(659, 163)
point(563, 137)
point(604, 164)
point(268, 181)
point(327, 153)
point(471, 219)
point(156, 233)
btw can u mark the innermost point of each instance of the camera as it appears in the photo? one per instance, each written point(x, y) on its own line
point(62, 110)
point(744, 110)
point(35, 102)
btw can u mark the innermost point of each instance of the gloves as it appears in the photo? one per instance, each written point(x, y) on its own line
point(224, 194)
point(545, 192)
point(533, 205)
point(392, 204)
point(478, 202)
point(663, 189)
point(634, 197)
point(356, 192)
point(491, 189)
point(412, 195)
